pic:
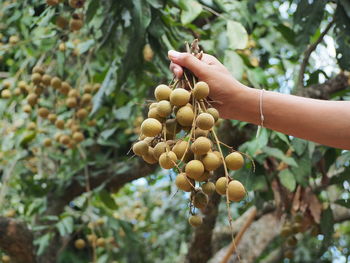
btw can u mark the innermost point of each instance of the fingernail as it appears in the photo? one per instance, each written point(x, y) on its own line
point(172, 54)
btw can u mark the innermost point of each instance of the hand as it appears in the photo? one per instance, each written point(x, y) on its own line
point(223, 86)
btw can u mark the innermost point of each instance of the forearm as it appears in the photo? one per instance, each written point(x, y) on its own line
point(325, 122)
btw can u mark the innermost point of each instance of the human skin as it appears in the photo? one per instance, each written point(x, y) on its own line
point(321, 121)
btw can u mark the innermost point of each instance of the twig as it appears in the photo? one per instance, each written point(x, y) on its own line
point(238, 238)
point(307, 55)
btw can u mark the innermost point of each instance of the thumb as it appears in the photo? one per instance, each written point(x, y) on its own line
point(188, 61)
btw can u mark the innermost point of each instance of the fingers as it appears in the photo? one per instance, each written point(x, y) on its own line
point(176, 69)
point(188, 61)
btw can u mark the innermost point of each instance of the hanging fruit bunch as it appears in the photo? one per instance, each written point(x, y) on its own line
point(179, 134)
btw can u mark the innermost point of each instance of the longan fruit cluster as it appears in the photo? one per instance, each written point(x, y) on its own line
point(78, 103)
point(179, 134)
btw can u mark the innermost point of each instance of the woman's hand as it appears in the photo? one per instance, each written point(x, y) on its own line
point(223, 87)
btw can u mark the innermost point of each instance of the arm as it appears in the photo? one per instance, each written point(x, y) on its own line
point(325, 122)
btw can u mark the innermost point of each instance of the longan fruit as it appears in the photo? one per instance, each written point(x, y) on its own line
point(205, 176)
point(47, 142)
point(183, 182)
point(82, 113)
point(52, 117)
point(92, 238)
point(185, 116)
point(162, 92)
point(75, 128)
point(22, 85)
point(96, 87)
point(71, 102)
point(221, 185)
point(153, 113)
point(75, 24)
point(179, 97)
point(52, 2)
point(10, 213)
point(180, 148)
point(7, 84)
point(64, 139)
point(38, 69)
point(292, 241)
point(297, 228)
point(286, 231)
point(200, 200)
point(147, 53)
point(86, 98)
point(79, 243)
point(57, 136)
point(38, 90)
point(214, 112)
point(199, 132)
point(236, 191)
point(194, 169)
point(234, 161)
point(100, 242)
point(43, 112)
point(167, 160)
point(201, 90)
point(27, 108)
point(88, 88)
point(205, 121)
point(140, 148)
point(17, 91)
point(31, 126)
point(78, 136)
point(65, 88)
point(172, 126)
point(6, 259)
point(149, 156)
point(153, 105)
point(201, 146)
point(62, 47)
point(56, 82)
point(164, 108)
point(195, 220)
point(6, 94)
point(36, 78)
point(13, 40)
point(211, 161)
point(46, 80)
point(91, 123)
point(73, 93)
point(59, 124)
point(159, 149)
point(208, 188)
point(61, 22)
point(151, 127)
point(76, 3)
point(32, 99)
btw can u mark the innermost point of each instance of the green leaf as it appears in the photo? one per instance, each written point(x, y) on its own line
point(286, 32)
point(27, 138)
point(303, 171)
point(279, 155)
point(299, 145)
point(346, 6)
point(234, 63)
point(65, 226)
point(327, 226)
point(43, 242)
point(343, 202)
point(287, 179)
point(342, 37)
point(123, 113)
point(85, 46)
point(108, 200)
point(191, 10)
point(237, 35)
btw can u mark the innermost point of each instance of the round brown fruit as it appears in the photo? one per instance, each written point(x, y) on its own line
point(57, 137)
point(76, 3)
point(38, 69)
point(214, 112)
point(286, 231)
point(164, 108)
point(201, 90)
point(172, 126)
point(6, 94)
point(96, 87)
point(31, 126)
point(194, 169)
point(51, 2)
point(162, 92)
point(153, 113)
point(65, 87)
point(183, 182)
point(195, 220)
point(208, 188)
point(13, 40)
point(211, 161)
point(47, 142)
point(5, 259)
point(36, 78)
point(205, 176)
point(205, 121)
point(200, 200)
point(27, 108)
point(52, 117)
point(151, 127)
point(88, 88)
point(46, 80)
point(148, 53)
point(201, 146)
point(59, 124)
point(61, 22)
point(75, 24)
point(179, 97)
point(86, 99)
point(73, 93)
point(140, 148)
point(56, 82)
point(159, 149)
point(234, 161)
point(78, 136)
point(199, 132)
point(167, 160)
point(292, 241)
point(92, 238)
point(71, 102)
point(149, 156)
point(185, 116)
point(220, 185)
point(236, 191)
point(79, 243)
point(32, 99)
point(101, 242)
point(180, 148)
point(82, 113)
point(43, 112)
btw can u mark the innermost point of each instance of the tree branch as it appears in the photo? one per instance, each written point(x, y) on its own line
point(307, 55)
point(17, 240)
